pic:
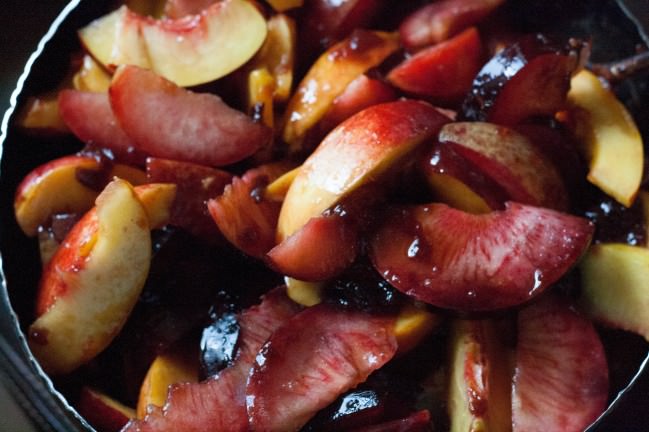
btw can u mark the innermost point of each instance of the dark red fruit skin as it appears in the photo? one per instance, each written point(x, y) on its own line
point(218, 403)
point(195, 185)
point(320, 250)
point(457, 260)
point(443, 72)
point(322, 352)
point(416, 422)
point(245, 217)
point(530, 78)
point(438, 21)
point(91, 119)
point(101, 416)
point(561, 378)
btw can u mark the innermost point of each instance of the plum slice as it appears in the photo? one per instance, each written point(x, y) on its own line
point(312, 359)
point(530, 78)
point(561, 378)
point(457, 260)
point(167, 121)
point(218, 403)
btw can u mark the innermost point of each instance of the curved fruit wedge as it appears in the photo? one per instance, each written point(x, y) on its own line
point(610, 138)
point(95, 278)
point(357, 152)
point(457, 260)
point(91, 119)
point(615, 286)
point(166, 370)
point(443, 72)
point(218, 403)
point(41, 113)
point(57, 187)
point(166, 121)
point(527, 79)
point(561, 378)
point(102, 412)
point(329, 76)
point(188, 51)
point(321, 353)
point(480, 379)
point(91, 77)
point(321, 249)
point(511, 160)
point(438, 21)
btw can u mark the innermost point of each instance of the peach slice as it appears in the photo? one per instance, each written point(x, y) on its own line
point(615, 286)
point(201, 48)
point(42, 113)
point(103, 412)
point(480, 379)
point(54, 187)
point(166, 369)
point(116, 39)
point(328, 78)
point(94, 279)
point(91, 77)
point(157, 199)
point(357, 152)
point(610, 138)
point(188, 51)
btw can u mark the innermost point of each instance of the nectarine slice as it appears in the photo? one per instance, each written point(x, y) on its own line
point(610, 138)
point(94, 279)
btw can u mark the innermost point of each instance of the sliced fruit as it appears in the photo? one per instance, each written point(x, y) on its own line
point(443, 72)
point(554, 388)
point(458, 182)
point(175, 9)
point(166, 370)
point(218, 403)
point(58, 187)
point(357, 152)
point(104, 413)
point(196, 184)
point(610, 138)
point(93, 281)
point(457, 260)
point(201, 48)
point(277, 189)
point(321, 249)
point(509, 159)
point(414, 322)
point(90, 118)
point(157, 199)
point(328, 78)
point(261, 86)
point(480, 378)
point(438, 21)
point(530, 78)
point(42, 113)
point(188, 51)
point(416, 422)
point(615, 286)
point(116, 39)
point(321, 352)
point(304, 293)
point(166, 121)
point(283, 5)
point(91, 77)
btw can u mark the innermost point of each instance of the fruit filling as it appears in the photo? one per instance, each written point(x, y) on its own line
point(358, 215)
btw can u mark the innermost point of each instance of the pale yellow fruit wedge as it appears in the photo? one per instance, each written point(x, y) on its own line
point(615, 286)
point(610, 138)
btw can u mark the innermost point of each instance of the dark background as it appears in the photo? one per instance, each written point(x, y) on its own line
point(22, 23)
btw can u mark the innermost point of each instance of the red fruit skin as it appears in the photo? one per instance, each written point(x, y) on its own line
point(561, 378)
point(416, 422)
point(438, 21)
point(312, 359)
point(320, 250)
point(443, 72)
point(58, 275)
point(457, 260)
point(91, 119)
point(244, 216)
point(361, 93)
point(167, 121)
point(103, 417)
point(218, 403)
point(195, 185)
